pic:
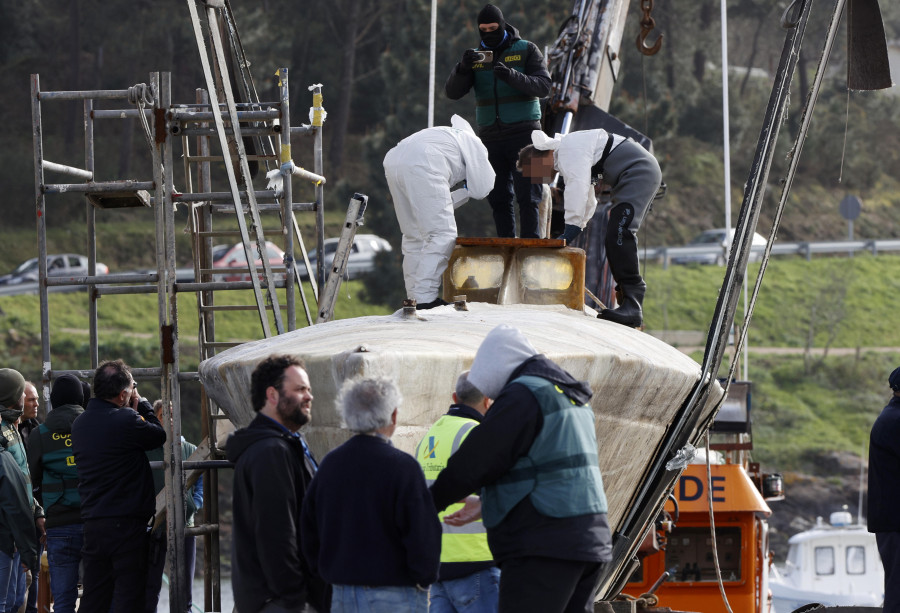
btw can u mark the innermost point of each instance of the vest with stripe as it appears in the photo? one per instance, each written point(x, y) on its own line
point(495, 99)
point(458, 543)
point(59, 483)
point(560, 473)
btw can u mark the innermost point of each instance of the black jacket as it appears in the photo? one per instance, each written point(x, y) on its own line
point(491, 449)
point(17, 531)
point(59, 421)
point(535, 81)
point(271, 476)
point(108, 443)
point(884, 470)
point(368, 518)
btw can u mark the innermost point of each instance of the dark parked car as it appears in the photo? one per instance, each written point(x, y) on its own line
point(61, 265)
point(362, 255)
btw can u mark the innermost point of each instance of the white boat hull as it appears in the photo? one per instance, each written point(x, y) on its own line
point(639, 382)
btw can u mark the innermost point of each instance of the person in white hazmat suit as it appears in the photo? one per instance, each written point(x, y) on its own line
point(420, 172)
point(584, 158)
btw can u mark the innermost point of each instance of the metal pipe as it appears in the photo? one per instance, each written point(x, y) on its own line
point(221, 285)
point(91, 214)
point(122, 277)
point(69, 170)
point(40, 221)
point(304, 129)
point(319, 165)
point(143, 374)
point(119, 290)
point(221, 196)
point(201, 530)
point(120, 113)
point(307, 175)
point(99, 94)
point(212, 131)
point(287, 196)
point(183, 115)
point(271, 208)
point(98, 188)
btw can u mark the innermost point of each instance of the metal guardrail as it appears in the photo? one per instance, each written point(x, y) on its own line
point(682, 255)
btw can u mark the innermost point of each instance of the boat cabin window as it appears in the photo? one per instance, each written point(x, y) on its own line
point(856, 560)
point(824, 560)
point(689, 554)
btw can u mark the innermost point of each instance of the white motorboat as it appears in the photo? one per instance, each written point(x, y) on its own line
point(834, 564)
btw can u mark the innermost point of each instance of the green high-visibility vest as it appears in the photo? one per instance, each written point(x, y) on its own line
point(59, 483)
point(560, 474)
point(495, 99)
point(463, 543)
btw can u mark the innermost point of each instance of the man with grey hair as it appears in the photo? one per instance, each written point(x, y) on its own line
point(369, 526)
point(469, 578)
point(534, 458)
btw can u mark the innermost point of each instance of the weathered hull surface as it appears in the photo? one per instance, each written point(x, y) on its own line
point(639, 382)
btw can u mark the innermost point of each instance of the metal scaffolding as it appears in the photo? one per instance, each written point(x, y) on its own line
point(231, 124)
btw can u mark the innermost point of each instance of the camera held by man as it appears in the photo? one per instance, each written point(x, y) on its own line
point(479, 56)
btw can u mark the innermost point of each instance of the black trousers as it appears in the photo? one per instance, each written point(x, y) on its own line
point(889, 548)
point(548, 585)
point(115, 565)
point(503, 155)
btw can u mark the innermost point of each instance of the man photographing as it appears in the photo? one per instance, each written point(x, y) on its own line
point(109, 441)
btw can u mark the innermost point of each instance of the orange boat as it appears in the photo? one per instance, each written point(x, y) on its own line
point(678, 569)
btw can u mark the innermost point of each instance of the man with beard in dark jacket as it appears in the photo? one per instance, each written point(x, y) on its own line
point(273, 469)
point(534, 458)
point(507, 108)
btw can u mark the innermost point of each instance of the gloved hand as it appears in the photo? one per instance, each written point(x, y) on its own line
point(468, 59)
point(570, 233)
point(501, 70)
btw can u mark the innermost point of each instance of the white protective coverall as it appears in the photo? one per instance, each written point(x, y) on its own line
point(420, 171)
point(573, 156)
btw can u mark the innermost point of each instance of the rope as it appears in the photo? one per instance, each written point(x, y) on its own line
point(712, 526)
point(141, 94)
point(846, 129)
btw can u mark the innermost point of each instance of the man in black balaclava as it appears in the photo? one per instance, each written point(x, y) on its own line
point(507, 95)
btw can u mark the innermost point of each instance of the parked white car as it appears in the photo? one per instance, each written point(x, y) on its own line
point(61, 265)
point(362, 255)
point(721, 238)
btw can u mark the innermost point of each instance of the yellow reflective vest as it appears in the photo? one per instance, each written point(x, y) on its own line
point(464, 543)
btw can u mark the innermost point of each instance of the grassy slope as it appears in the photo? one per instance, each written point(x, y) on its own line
point(802, 408)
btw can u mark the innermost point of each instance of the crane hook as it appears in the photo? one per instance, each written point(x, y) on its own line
point(647, 26)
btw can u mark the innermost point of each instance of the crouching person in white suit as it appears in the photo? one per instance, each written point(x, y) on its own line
point(420, 172)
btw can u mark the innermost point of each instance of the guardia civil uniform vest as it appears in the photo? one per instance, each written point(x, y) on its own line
point(560, 473)
point(60, 480)
point(458, 543)
point(495, 99)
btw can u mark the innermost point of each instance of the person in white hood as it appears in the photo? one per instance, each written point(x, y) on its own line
point(582, 158)
point(420, 172)
point(534, 460)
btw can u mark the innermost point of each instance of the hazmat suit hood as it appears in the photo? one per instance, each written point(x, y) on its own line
point(501, 352)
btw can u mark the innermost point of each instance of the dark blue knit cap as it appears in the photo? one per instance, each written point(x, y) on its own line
point(894, 380)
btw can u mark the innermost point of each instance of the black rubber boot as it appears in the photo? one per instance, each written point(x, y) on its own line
point(629, 312)
point(622, 255)
point(430, 305)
